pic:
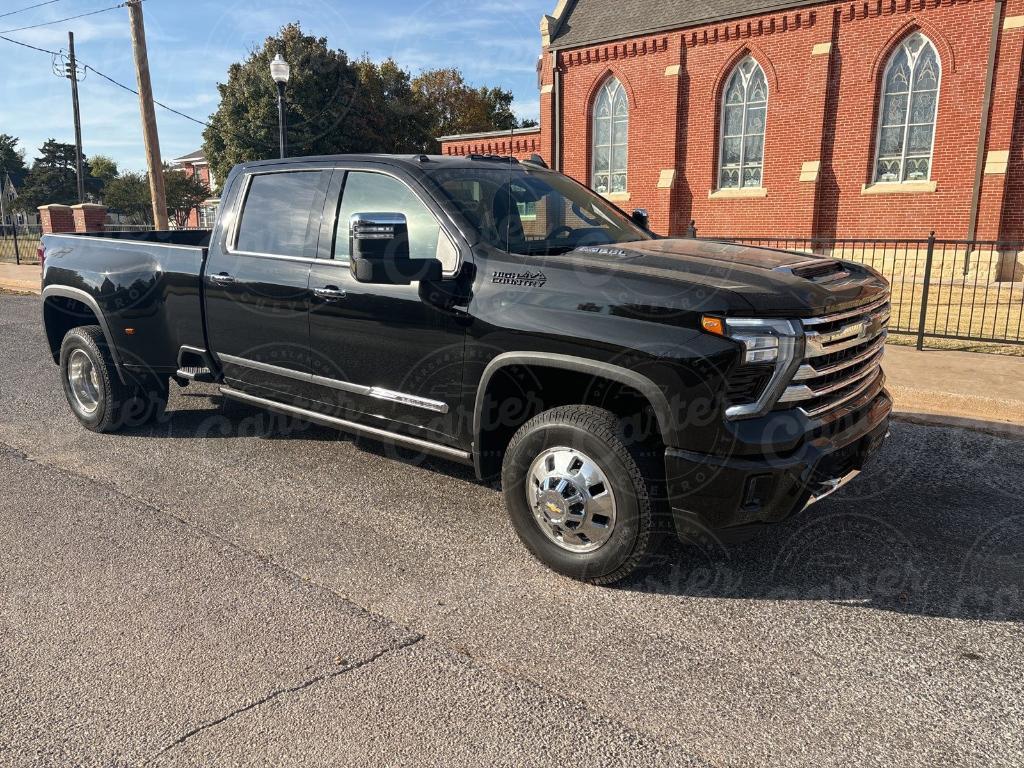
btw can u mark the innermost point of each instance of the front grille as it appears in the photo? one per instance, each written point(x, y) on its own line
point(842, 359)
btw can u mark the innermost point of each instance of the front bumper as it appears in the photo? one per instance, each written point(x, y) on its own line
point(716, 492)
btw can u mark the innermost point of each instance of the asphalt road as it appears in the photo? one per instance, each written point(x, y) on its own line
point(230, 589)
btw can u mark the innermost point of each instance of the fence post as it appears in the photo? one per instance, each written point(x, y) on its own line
point(17, 253)
point(927, 286)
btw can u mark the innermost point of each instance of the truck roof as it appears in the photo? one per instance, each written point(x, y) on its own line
point(418, 161)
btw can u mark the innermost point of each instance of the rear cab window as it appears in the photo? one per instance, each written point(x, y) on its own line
point(281, 214)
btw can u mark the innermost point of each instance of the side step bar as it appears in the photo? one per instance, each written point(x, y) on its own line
point(190, 371)
point(383, 435)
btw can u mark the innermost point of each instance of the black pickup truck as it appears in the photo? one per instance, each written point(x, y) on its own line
point(496, 313)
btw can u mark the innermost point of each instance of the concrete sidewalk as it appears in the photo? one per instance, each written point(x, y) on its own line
point(23, 278)
point(962, 389)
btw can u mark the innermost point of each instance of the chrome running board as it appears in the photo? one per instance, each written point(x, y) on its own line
point(383, 435)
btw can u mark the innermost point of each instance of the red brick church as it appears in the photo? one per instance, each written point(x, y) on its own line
point(766, 117)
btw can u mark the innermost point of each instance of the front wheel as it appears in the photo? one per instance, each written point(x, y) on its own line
point(579, 494)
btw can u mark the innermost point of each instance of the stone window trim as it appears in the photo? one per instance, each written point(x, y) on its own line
point(902, 87)
point(741, 140)
point(609, 138)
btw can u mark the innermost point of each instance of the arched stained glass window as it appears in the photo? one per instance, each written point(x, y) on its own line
point(744, 110)
point(910, 102)
point(610, 142)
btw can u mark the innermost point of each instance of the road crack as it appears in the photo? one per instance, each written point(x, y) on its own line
point(406, 643)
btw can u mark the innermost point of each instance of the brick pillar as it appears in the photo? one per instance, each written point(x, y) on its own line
point(548, 116)
point(999, 210)
point(89, 217)
point(816, 79)
point(55, 219)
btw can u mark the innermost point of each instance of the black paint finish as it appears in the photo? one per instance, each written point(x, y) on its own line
point(633, 307)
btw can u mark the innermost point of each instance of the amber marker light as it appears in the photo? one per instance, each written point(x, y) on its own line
point(129, 331)
point(713, 325)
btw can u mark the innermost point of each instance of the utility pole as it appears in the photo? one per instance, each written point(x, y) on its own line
point(72, 75)
point(149, 131)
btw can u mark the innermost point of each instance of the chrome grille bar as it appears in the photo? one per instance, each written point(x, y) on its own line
point(849, 313)
point(808, 371)
point(853, 353)
point(866, 328)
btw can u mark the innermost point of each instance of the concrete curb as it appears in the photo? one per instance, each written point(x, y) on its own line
point(15, 287)
point(997, 429)
point(23, 278)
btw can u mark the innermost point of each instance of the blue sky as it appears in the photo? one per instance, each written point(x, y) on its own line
point(191, 45)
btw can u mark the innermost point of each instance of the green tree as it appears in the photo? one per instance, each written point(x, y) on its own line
point(326, 107)
point(52, 178)
point(104, 169)
point(184, 194)
point(453, 106)
point(12, 159)
point(128, 194)
point(336, 105)
point(394, 111)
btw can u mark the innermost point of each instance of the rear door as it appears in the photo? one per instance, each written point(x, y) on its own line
point(257, 281)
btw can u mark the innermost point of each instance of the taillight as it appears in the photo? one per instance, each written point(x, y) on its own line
point(41, 253)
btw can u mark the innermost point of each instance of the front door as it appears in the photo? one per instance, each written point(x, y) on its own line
point(379, 353)
point(257, 283)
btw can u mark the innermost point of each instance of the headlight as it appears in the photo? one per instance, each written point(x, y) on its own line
point(778, 343)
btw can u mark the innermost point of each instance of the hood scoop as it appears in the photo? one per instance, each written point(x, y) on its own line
point(818, 271)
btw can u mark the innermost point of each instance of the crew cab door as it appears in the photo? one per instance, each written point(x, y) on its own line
point(257, 281)
point(379, 352)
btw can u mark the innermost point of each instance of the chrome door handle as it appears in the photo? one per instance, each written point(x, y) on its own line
point(222, 279)
point(329, 293)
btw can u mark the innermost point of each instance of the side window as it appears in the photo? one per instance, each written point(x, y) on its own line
point(281, 214)
point(367, 192)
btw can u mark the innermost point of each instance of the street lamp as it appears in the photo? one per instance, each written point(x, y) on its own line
point(280, 71)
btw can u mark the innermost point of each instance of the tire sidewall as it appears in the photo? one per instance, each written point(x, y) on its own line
point(98, 418)
point(622, 544)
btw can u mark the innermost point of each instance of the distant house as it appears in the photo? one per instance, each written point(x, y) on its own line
point(195, 164)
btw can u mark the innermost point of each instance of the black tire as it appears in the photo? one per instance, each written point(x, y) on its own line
point(117, 404)
point(631, 468)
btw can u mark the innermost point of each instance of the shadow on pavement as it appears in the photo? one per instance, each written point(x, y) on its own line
point(934, 527)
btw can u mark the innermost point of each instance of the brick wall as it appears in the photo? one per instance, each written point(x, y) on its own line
point(521, 145)
point(824, 66)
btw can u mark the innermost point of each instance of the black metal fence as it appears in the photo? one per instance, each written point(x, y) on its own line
point(18, 244)
point(969, 290)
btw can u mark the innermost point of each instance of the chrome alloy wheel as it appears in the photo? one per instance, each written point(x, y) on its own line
point(571, 499)
point(84, 381)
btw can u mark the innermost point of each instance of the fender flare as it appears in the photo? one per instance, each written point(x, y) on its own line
point(639, 382)
point(79, 295)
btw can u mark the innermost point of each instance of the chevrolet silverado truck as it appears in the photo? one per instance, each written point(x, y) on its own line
point(496, 313)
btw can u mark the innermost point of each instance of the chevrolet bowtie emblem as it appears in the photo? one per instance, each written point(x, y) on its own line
point(552, 508)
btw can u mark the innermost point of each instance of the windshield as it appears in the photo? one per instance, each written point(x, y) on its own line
point(532, 211)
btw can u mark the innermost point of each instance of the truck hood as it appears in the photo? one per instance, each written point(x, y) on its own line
point(767, 281)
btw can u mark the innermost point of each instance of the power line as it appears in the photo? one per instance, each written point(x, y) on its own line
point(107, 78)
point(61, 21)
point(33, 47)
point(28, 8)
point(132, 90)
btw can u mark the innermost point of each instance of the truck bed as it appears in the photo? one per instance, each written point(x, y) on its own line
point(144, 287)
point(183, 237)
